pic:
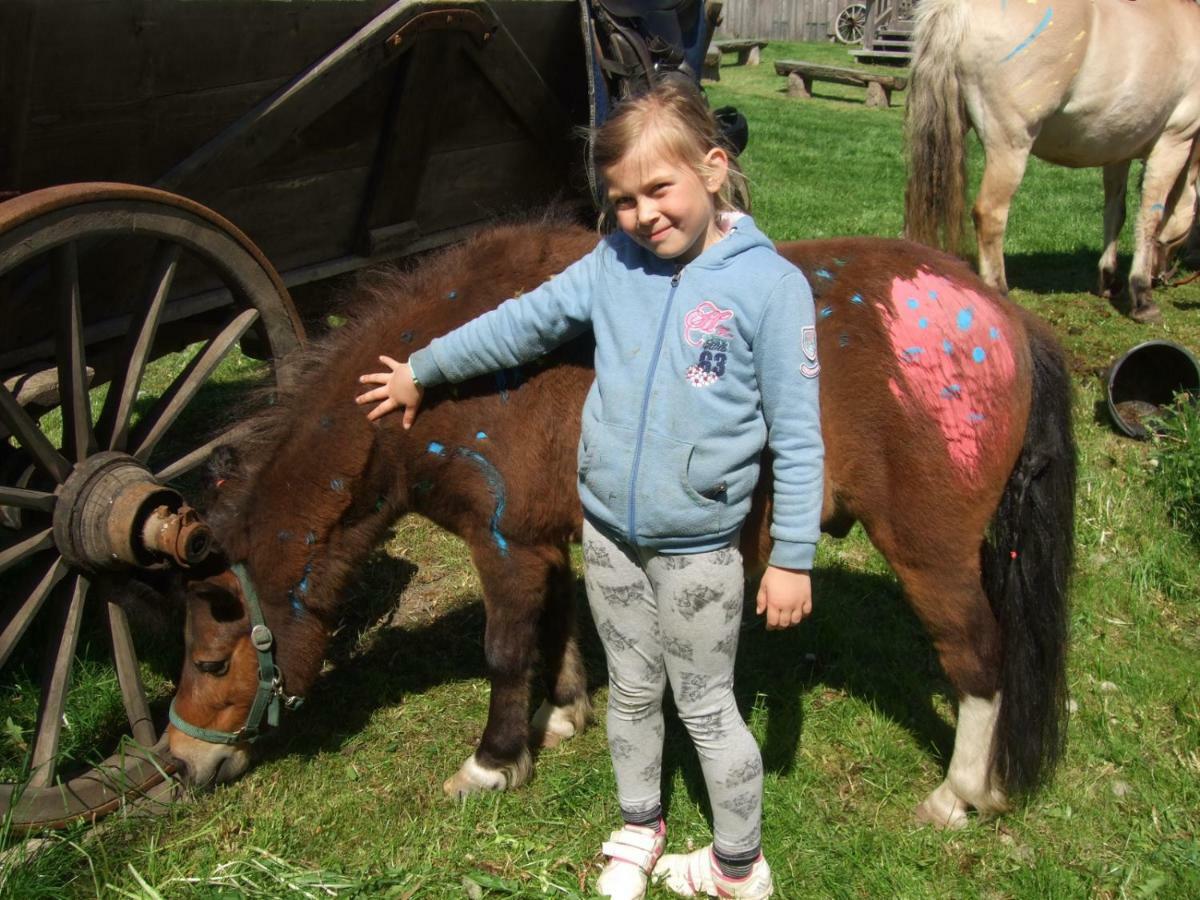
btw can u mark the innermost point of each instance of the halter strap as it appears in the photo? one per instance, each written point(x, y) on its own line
point(270, 696)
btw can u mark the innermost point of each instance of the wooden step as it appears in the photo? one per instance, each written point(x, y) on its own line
point(889, 56)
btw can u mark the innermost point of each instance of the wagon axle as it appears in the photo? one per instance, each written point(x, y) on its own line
point(112, 513)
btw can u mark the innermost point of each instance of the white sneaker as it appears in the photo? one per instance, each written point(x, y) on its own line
point(697, 873)
point(632, 852)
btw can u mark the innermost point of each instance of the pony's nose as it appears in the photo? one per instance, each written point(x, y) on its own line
point(182, 771)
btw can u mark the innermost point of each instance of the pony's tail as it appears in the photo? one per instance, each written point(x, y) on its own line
point(935, 128)
point(1026, 565)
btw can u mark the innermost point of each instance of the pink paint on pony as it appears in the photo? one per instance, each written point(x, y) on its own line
point(955, 360)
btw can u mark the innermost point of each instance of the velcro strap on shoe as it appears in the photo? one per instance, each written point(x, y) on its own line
point(636, 847)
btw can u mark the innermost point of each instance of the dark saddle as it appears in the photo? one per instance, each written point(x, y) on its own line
point(639, 39)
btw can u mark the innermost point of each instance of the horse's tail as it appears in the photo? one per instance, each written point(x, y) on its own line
point(1026, 567)
point(936, 128)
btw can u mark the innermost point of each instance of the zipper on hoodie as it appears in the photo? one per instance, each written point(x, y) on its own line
point(641, 432)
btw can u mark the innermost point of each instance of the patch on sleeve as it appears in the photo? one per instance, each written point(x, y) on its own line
point(808, 346)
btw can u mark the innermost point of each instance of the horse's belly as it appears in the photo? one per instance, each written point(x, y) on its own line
point(1078, 142)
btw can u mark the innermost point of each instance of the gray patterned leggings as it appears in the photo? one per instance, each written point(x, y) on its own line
point(666, 616)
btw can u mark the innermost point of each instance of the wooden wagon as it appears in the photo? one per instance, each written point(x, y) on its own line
point(173, 174)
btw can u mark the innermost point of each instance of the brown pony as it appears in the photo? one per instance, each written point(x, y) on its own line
point(946, 419)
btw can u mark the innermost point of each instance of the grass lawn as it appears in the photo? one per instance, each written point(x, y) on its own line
point(851, 708)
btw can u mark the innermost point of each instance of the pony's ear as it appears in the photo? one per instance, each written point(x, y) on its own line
point(222, 605)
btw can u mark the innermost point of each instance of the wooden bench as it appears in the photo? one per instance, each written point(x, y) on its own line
point(801, 75)
point(749, 52)
point(712, 64)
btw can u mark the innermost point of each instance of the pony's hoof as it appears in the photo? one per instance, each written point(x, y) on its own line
point(551, 725)
point(943, 809)
point(1147, 314)
point(473, 777)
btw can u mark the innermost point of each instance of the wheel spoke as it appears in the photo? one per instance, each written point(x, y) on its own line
point(35, 543)
point(132, 691)
point(78, 438)
point(29, 436)
point(176, 398)
point(22, 612)
point(54, 687)
point(24, 499)
point(196, 457)
point(113, 426)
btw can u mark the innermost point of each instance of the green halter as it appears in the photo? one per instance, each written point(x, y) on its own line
point(270, 696)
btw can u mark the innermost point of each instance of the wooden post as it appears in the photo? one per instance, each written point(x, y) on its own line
point(799, 86)
point(878, 97)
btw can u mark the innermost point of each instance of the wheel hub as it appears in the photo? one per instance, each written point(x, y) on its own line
point(112, 514)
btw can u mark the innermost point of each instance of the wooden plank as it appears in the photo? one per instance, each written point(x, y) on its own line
point(17, 54)
point(263, 130)
point(838, 75)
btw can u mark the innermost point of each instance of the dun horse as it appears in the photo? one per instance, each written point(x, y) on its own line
point(945, 412)
point(1074, 82)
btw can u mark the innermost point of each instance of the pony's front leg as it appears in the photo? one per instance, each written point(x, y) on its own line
point(1116, 178)
point(515, 581)
point(567, 708)
point(1162, 186)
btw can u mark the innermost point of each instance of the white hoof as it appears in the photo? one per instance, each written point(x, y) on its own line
point(943, 809)
point(472, 777)
point(556, 724)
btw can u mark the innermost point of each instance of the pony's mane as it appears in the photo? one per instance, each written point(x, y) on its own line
point(396, 311)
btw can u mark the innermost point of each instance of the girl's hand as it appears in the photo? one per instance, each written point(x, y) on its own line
point(785, 595)
point(399, 390)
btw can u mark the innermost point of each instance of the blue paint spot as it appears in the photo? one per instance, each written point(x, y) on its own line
point(826, 312)
point(437, 449)
point(297, 606)
point(337, 484)
point(914, 351)
point(302, 587)
point(453, 295)
point(994, 333)
point(979, 354)
point(912, 303)
point(843, 340)
point(1157, 207)
point(933, 295)
point(965, 318)
point(824, 273)
point(284, 536)
point(380, 504)
point(496, 485)
point(481, 435)
point(975, 417)
point(947, 347)
point(407, 337)
point(1041, 26)
point(857, 298)
point(922, 322)
point(310, 538)
point(326, 422)
point(838, 262)
point(951, 390)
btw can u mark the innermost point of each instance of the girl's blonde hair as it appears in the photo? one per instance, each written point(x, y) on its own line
point(673, 115)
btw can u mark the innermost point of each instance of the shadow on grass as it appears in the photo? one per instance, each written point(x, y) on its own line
point(861, 640)
point(1055, 273)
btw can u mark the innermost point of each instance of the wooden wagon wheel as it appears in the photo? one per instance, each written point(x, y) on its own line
point(78, 514)
point(851, 23)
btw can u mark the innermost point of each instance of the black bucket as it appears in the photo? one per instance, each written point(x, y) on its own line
point(1143, 382)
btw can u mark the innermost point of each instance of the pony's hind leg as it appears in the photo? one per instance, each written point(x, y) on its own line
point(567, 708)
point(1162, 184)
point(1116, 178)
point(1002, 173)
point(516, 586)
point(951, 603)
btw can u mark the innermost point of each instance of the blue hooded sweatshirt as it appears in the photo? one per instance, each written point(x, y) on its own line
point(696, 368)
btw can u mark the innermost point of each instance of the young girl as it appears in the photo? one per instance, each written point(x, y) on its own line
point(705, 350)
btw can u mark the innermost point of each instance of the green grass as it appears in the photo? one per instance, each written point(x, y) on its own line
point(851, 708)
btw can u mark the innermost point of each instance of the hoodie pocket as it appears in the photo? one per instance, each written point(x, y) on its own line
point(605, 463)
point(669, 504)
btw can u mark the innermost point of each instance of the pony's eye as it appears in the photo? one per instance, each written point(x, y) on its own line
point(212, 666)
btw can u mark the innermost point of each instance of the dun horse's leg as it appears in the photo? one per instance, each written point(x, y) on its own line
point(1161, 186)
point(1116, 178)
point(567, 708)
point(1002, 175)
point(1178, 227)
point(515, 590)
point(950, 601)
